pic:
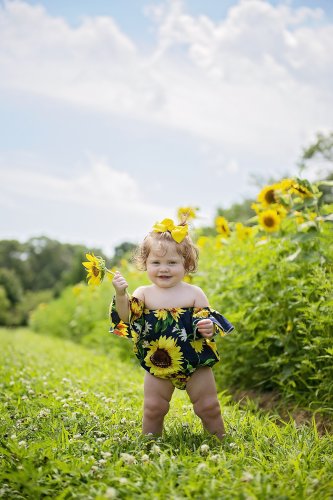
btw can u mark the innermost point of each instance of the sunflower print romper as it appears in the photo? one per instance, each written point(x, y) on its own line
point(166, 341)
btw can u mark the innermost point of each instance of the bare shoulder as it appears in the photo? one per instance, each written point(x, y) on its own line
point(140, 292)
point(200, 298)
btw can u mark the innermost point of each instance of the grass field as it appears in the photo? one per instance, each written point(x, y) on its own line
point(71, 428)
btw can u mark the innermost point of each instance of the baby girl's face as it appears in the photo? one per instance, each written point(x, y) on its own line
point(165, 266)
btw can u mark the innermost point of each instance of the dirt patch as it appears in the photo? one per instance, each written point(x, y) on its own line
point(271, 402)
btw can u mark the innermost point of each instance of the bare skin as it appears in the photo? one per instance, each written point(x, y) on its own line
point(167, 290)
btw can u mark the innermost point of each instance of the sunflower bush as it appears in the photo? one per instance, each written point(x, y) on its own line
point(273, 280)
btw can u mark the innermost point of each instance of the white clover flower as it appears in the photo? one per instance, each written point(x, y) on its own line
point(123, 420)
point(22, 444)
point(204, 449)
point(106, 454)
point(215, 458)
point(77, 436)
point(127, 458)
point(155, 449)
point(145, 458)
point(201, 466)
point(44, 412)
point(111, 493)
point(246, 477)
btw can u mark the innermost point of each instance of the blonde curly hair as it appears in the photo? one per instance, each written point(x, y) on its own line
point(186, 249)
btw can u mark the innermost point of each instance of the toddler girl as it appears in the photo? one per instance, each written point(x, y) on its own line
point(172, 327)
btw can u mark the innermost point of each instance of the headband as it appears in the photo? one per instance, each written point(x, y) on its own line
point(178, 233)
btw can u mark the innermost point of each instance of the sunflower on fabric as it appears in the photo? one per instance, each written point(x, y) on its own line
point(164, 357)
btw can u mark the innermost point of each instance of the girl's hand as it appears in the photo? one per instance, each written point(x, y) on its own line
point(206, 328)
point(119, 283)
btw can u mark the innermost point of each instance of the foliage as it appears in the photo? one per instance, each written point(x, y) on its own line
point(81, 312)
point(276, 287)
point(41, 267)
point(71, 428)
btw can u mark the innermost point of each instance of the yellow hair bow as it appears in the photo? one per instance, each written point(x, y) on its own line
point(178, 233)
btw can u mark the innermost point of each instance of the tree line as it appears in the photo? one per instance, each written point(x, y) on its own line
point(38, 270)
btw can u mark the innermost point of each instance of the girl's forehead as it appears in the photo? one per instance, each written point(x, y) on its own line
point(159, 249)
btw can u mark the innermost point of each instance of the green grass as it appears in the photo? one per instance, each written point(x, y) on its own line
point(71, 428)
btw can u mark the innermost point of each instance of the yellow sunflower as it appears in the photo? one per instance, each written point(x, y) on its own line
point(164, 357)
point(198, 344)
point(186, 213)
point(95, 269)
point(243, 232)
point(268, 195)
point(202, 241)
point(270, 220)
point(300, 190)
point(222, 226)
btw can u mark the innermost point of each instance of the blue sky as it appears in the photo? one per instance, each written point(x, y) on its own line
point(113, 114)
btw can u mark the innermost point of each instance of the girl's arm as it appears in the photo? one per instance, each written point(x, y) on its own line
point(122, 302)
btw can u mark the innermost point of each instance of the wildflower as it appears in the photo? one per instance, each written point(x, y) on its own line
point(201, 466)
point(156, 449)
point(204, 449)
point(222, 226)
point(44, 412)
point(127, 458)
point(246, 477)
point(145, 458)
point(270, 220)
point(111, 493)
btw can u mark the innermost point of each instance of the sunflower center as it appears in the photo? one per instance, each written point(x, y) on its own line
point(270, 197)
point(269, 221)
point(161, 358)
point(95, 271)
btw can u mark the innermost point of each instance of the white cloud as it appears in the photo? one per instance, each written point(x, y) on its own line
point(263, 69)
point(101, 204)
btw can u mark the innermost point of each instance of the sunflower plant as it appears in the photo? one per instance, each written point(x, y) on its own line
point(96, 269)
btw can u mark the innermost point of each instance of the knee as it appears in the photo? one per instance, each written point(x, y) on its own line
point(207, 407)
point(156, 408)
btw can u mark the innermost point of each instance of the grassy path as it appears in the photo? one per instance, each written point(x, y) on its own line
point(70, 428)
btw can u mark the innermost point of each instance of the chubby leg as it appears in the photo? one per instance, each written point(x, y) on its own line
point(157, 396)
point(201, 389)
